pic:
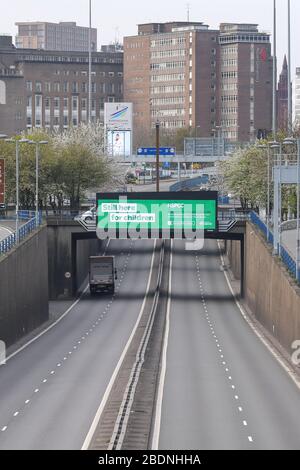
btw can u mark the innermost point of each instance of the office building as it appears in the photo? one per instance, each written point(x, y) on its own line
point(49, 89)
point(64, 36)
point(297, 97)
point(189, 76)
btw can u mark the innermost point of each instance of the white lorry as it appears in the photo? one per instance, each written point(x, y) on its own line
point(102, 274)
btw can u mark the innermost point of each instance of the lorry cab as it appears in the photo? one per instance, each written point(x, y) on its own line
point(102, 274)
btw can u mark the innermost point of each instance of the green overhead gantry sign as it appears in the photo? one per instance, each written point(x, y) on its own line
point(156, 215)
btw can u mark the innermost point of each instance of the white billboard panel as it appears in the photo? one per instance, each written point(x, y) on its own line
point(119, 143)
point(118, 116)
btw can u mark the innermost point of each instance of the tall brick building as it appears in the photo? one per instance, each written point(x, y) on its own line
point(191, 77)
point(50, 88)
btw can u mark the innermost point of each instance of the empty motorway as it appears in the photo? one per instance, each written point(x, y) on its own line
point(219, 386)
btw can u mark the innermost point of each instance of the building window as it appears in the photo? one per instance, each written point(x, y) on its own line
point(47, 87)
point(101, 103)
point(74, 102)
point(66, 103)
point(74, 87)
point(29, 121)
point(29, 85)
point(38, 101)
point(83, 104)
point(56, 103)
point(47, 103)
point(66, 121)
point(93, 87)
point(56, 87)
point(74, 121)
point(29, 101)
point(84, 87)
point(38, 87)
point(56, 121)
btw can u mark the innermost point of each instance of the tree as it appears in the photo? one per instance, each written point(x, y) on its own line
point(70, 164)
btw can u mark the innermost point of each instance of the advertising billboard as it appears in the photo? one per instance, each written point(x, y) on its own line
point(119, 143)
point(119, 214)
point(2, 182)
point(118, 116)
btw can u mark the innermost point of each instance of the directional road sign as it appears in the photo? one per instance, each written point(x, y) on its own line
point(151, 151)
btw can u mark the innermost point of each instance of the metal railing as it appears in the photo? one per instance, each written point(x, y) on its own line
point(286, 258)
point(10, 242)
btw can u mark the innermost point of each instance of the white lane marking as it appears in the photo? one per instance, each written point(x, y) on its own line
point(26, 402)
point(16, 413)
point(44, 381)
point(52, 372)
point(59, 364)
point(4, 428)
point(53, 324)
point(236, 397)
point(245, 423)
point(162, 375)
point(240, 409)
point(250, 438)
point(270, 348)
point(116, 371)
point(36, 390)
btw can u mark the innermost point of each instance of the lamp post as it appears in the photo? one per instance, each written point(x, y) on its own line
point(157, 125)
point(37, 159)
point(90, 62)
point(298, 213)
point(17, 144)
point(274, 118)
point(268, 211)
point(290, 97)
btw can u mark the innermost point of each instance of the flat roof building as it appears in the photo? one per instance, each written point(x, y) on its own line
point(191, 77)
point(63, 36)
point(49, 89)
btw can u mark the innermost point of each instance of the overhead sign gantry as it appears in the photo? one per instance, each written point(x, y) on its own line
point(157, 215)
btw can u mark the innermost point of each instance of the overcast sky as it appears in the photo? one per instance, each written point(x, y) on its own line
point(119, 18)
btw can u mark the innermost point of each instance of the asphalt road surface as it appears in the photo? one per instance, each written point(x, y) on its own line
point(223, 389)
point(51, 390)
point(6, 229)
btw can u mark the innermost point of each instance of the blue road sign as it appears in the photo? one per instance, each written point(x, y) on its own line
point(151, 151)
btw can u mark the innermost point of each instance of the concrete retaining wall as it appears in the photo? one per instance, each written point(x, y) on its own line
point(68, 254)
point(270, 292)
point(24, 288)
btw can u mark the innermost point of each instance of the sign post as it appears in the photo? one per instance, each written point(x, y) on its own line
point(2, 183)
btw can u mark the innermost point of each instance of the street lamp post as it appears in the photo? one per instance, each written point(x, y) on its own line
point(274, 119)
point(157, 155)
point(290, 98)
point(90, 62)
point(298, 212)
point(37, 159)
point(268, 211)
point(17, 143)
